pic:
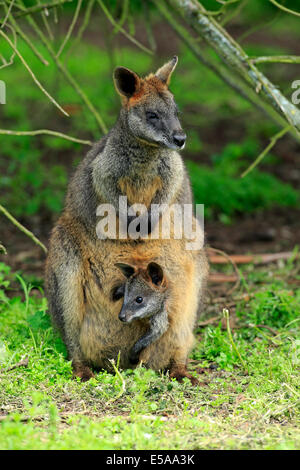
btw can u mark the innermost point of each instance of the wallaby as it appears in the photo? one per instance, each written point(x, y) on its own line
point(138, 159)
point(145, 295)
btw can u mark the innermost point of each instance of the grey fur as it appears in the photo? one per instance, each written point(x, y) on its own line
point(153, 306)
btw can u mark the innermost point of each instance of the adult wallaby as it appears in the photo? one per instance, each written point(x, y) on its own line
point(136, 159)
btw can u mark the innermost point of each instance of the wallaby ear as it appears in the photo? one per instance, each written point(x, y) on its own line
point(126, 269)
point(165, 72)
point(156, 273)
point(126, 82)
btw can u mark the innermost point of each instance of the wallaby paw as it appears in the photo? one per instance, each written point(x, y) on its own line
point(179, 375)
point(84, 373)
point(134, 358)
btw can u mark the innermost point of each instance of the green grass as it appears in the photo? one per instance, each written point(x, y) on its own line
point(43, 408)
point(224, 193)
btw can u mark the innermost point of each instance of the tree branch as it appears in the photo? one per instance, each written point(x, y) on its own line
point(22, 228)
point(234, 57)
point(46, 132)
point(32, 74)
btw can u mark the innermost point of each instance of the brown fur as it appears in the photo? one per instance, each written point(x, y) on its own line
point(140, 194)
point(80, 268)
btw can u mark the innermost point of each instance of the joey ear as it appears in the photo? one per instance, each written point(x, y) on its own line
point(156, 273)
point(126, 82)
point(126, 269)
point(165, 72)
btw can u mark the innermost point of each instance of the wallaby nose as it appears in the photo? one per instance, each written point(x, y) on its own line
point(122, 316)
point(179, 139)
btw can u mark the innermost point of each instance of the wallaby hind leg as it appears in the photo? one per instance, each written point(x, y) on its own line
point(178, 364)
point(66, 297)
point(158, 325)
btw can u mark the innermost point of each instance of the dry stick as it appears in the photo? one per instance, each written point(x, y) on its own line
point(238, 277)
point(220, 277)
point(47, 132)
point(22, 228)
point(26, 39)
point(218, 69)
point(68, 76)
point(122, 30)
point(256, 259)
point(70, 30)
point(267, 149)
point(235, 57)
point(32, 74)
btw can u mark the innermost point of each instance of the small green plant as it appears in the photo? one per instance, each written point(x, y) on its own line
point(223, 192)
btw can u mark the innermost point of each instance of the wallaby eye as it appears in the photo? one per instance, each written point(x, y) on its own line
point(139, 300)
point(151, 115)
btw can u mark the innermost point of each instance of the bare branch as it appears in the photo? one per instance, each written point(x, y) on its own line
point(287, 10)
point(235, 58)
point(68, 76)
point(31, 73)
point(70, 30)
point(234, 82)
point(46, 132)
point(122, 30)
point(25, 38)
point(7, 12)
point(38, 8)
point(22, 228)
point(284, 59)
point(267, 149)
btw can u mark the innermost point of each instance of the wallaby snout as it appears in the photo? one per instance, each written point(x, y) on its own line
point(179, 138)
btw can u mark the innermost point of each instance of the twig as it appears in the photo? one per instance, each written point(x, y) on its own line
point(22, 363)
point(217, 68)
point(46, 132)
point(84, 25)
point(38, 8)
point(285, 59)
point(45, 21)
point(236, 277)
point(7, 13)
point(220, 278)
point(267, 149)
point(122, 30)
point(287, 10)
point(255, 259)
point(26, 39)
point(68, 76)
point(210, 321)
point(3, 249)
point(32, 74)
point(236, 58)
point(22, 228)
point(11, 60)
point(70, 30)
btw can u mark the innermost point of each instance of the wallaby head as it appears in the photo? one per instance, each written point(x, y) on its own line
point(149, 110)
point(144, 291)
